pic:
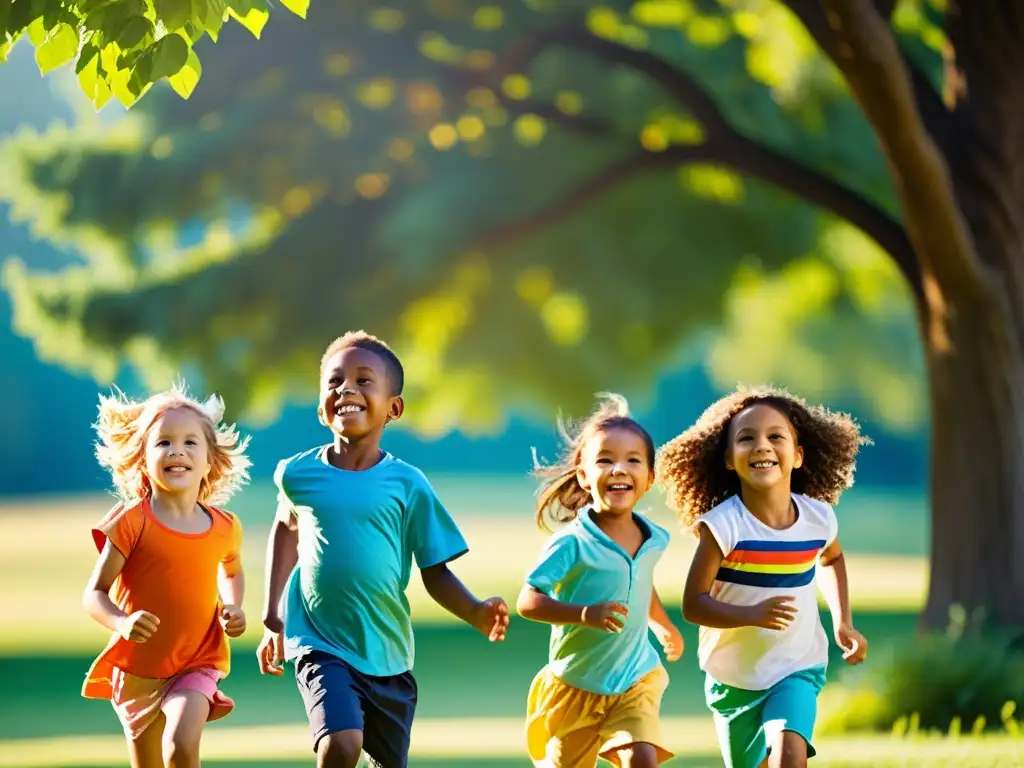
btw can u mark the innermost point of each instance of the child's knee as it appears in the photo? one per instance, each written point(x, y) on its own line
point(790, 751)
point(181, 749)
point(340, 749)
point(639, 755)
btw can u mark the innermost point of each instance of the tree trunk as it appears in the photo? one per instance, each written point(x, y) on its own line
point(977, 365)
point(977, 484)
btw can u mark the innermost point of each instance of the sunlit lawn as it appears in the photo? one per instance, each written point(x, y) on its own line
point(472, 694)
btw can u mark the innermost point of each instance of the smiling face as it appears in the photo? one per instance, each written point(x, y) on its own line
point(177, 452)
point(615, 468)
point(356, 397)
point(763, 449)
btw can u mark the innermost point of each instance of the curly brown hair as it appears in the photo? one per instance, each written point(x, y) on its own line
point(561, 496)
point(691, 467)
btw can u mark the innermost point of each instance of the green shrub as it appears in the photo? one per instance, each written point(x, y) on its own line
point(958, 681)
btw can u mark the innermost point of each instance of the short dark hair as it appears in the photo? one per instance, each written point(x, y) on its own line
point(364, 340)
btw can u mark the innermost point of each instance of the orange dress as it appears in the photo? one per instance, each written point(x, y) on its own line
point(173, 575)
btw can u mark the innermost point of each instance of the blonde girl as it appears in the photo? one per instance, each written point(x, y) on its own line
point(168, 582)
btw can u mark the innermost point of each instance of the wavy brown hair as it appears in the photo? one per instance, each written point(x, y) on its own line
point(691, 467)
point(561, 496)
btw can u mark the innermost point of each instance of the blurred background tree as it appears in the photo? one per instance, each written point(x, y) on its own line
point(541, 199)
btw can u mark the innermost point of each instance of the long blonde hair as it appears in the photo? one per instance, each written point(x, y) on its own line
point(123, 425)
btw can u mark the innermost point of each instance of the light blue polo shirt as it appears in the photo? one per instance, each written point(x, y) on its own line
point(358, 534)
point(580, 564)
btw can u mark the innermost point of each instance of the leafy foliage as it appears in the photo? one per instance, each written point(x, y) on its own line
point(445, 173)
point(960, 681)
point(122, 47)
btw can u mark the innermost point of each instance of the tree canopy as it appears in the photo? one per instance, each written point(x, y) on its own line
point(533, 201)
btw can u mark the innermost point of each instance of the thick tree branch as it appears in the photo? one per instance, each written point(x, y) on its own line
point(589, 190)
point(937, 118)
point(729, 147)
point(870, 60)
point(725, 146)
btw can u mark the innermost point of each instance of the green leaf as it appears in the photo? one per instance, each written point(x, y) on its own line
point(169, 55)
point(60, 47)
point(174, 13)
point(90, 52)
point(92, 84)
point(137, 30)
point(211, 17)
point(37, 32)
point(298, 7)
point(5, 49)
point(254, 19)
point(187, 79)
point(119, 84)
point(251, 14)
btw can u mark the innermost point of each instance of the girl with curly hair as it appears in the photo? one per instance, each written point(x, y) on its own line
point(755, 479)
point(173, 560)
point(600, 693)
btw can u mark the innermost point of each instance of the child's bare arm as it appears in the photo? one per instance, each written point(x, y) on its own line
point(834, 586)
point(699, 607)
point(536, 606)
point(232, 593)
point(489, 616)
point(139, 626)
point(282, 555)
point(232, 588)
point(658, 617)
point(661, 625)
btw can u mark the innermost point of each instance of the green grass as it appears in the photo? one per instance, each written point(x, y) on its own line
point(472, 693)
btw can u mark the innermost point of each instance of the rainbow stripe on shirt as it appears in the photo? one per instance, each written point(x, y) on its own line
point(771, 563)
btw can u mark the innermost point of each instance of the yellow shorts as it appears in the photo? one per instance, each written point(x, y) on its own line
point(570, 728)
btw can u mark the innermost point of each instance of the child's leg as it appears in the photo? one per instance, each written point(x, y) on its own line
point(638, 755)
point(788, 750)
point(790, 710)
point(340, 749)
point(186, 712)
point(330, 692)
point(738, 723)
point(146, 749)
point(389, 705)
point(631, 728)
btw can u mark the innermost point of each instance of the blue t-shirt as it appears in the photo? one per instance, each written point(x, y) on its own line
point(580, 564)
point(358, 533)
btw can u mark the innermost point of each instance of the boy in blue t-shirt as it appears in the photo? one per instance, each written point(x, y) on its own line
point(352, 516)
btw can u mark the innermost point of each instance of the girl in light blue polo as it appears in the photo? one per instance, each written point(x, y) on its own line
point(600, 693)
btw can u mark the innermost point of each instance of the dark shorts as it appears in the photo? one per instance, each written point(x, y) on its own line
point(338, 697)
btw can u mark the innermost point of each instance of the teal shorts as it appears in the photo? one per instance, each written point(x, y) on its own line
point(746, 721)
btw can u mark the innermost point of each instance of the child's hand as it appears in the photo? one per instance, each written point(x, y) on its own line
point(491, 619)
point(232, 618)
point(671, 640)
point(271, 653)
point(853, 643)
point(609, 617)
point(138, 627)
point(774, 613)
